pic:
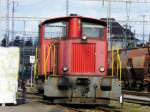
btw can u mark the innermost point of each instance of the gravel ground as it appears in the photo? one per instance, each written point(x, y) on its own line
point(131, 107)
point(35, 104)
point(32, 107)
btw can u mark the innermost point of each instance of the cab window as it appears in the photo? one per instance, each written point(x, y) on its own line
point(55, 30)
point(92, 30)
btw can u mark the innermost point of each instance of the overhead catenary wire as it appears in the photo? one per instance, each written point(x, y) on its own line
point(121, 1)
point(44, 18)
point(38, 19)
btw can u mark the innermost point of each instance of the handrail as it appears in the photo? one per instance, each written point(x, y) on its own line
point(112, 61)
point(50, 48)
point(54, 64)
point(44, 63)
point(119, 64)
point(36, 62)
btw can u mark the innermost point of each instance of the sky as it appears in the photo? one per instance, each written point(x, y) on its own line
point(57, 8)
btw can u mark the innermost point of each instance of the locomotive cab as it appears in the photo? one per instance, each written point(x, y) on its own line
point(73, 58)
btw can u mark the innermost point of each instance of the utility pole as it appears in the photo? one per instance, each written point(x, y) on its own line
point(7, 25)
point(13, 12)
point(143, 16)
point(0, 18)
point(24, 28)
point(128, 7)
point(108, 20)
point(67, 7)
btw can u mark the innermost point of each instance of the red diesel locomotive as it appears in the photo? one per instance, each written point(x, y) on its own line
point(73, 59)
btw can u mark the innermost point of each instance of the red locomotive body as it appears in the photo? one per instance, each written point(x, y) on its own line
point(82, 57)
point(73, 57)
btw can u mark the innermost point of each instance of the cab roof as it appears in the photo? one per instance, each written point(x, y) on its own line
point(85, 19)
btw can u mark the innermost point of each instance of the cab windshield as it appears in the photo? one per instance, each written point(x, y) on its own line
point(55, 30)
point(92, 30)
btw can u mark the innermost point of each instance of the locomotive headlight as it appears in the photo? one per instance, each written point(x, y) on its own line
point(65, 68)
point(84, 37)
point(101, 69)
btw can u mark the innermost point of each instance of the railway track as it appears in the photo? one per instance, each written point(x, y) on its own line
point(93, 109)
point(73, 108)
point(137, 97)
point(143, 93)
point(129, 97)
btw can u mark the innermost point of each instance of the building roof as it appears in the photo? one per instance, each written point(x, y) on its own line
point(117, 30)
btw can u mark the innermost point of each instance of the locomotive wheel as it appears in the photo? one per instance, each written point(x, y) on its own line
point(48, 99)
point(133, 85)
point(40, 86)
point(148, 87)
point(140, 86)
point(45, 97)
point(126, 85)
